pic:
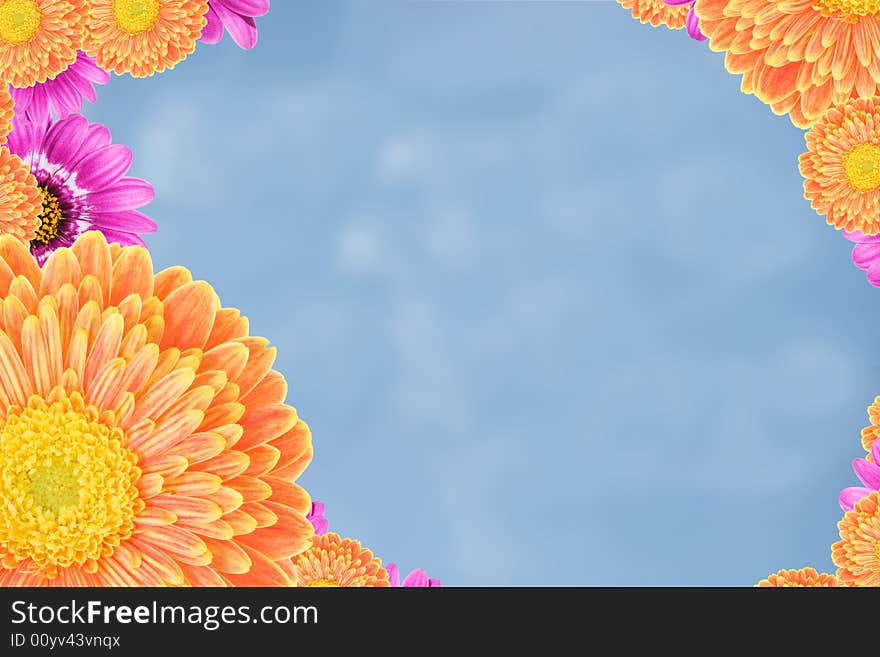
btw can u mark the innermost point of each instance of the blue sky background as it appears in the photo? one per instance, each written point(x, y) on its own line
point(542, 281)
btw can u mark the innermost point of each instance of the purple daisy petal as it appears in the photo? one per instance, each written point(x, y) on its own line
point(246, 7)
point(129, 221)
point(393, 574)
point(693, 26)
point(864, 254)
point(242, 29)
point(104, 167)
point(849, 496)
point(121, 237)
point(237, 17)
point(316, 517)
point(126, 194)
point(868, 473)
point(875, 451)
point(213, 30)
point(63, 94)
point(418, 578)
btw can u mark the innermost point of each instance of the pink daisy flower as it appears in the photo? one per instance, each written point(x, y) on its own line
point(316, 517)
point(81, 176)
point(866, 254)
point(417, 578)
point(237, 16)
point(62, 95)
point(868, 473)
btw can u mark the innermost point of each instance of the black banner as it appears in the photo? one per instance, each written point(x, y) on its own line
point(261, 621)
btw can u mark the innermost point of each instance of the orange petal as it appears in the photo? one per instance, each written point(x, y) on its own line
point(189, 508)
point(182, 543)
point(202, 576)
point(171, 431)
point(296, 451)
point(194, 484)
point(132, 274)
point(169, 280)
point(229, 357)
point(228, 325)
point(106, 385)
point(262, 459)
point(167, 465)
point(263, 572)
point(20, 260)
point(259, 363)
point(34, 354)
point(291, 535)
point(13, 375)
point(241, 522)
point(229, 557)
point(61, 268)
point(251, 488)
point(199, 447)
point(262, 425)
point(163, 394)
point(94, 258)
point(105, 347)
point(189, 315)
point(289, 494)
point(271, 390)
point(225, 464)
point(22, 289)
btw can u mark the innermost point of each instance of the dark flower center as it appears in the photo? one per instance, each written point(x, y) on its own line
point(50, 218)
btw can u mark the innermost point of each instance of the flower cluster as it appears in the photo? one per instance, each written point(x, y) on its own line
point(145, 439)
point(818, 62)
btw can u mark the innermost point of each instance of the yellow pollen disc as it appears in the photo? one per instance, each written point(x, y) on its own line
point(862, 167)
point(67, 485)
point(50, 218)
point(135, 16)
point(854, 10)
point(322, 583)
point(19, 21)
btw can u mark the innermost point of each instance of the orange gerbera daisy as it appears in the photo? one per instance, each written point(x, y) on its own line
point(39, 38)
point(799, 578)
point(334, 561)
point(20, 198)
point(144, 438)
point(799, 56)
point(657, 12)
point(857, 554)
point(841, 167)
point(143, 37)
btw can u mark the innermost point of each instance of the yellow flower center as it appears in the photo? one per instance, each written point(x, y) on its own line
point(853, 10)
point(322, 583)
point(67, 492)
point(862, 167)
point(135, 16)
point(50, 218)
point(19, 21)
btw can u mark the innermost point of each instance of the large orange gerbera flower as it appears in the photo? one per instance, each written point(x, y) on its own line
point(805, 577)
point(841, 167)
point(39, 38)
point(657, 12)
point(857, 554)
point(143, 37)
point(334, 561)
point(20, 198)
point(144, 438)
point(799, 56)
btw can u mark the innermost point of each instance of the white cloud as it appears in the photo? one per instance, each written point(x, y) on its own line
point(360, 248)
